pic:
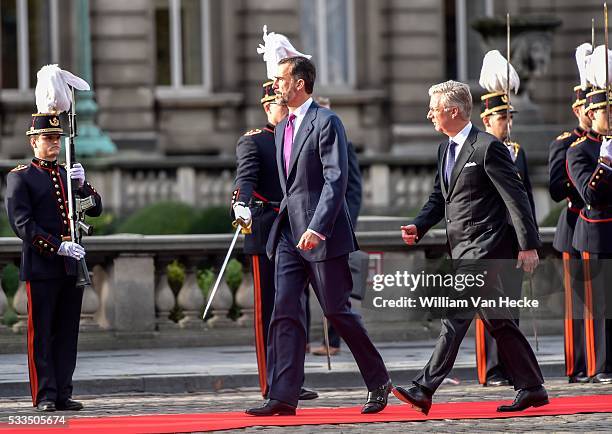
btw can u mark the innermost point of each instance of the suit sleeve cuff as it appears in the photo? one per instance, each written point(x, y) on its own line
point(316, 233)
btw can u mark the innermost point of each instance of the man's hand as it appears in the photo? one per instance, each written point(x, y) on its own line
point(410, 234)
point(77, 172)
point(72, 250)
point(528, 259)
point(308, 241)
point(242, 215)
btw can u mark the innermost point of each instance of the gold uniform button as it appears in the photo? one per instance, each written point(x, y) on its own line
point(65, 222)
point(54, 179)
point(46, 245)
point(57, 192)
point(40, 242)
point(600, 170)
point(593, 183)
point(63, 214)
point(61, 206)
point(59, 199)
point(53, 250)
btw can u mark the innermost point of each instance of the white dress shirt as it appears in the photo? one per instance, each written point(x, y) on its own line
point(460, 138)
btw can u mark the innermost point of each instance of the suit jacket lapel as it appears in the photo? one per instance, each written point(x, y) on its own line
point(466, 151)
point(302, 134)
point(279, 140)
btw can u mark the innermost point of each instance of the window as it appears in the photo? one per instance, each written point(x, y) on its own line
point(464, 52)
point(29, 39)
point(328, 35)
point(183, 43)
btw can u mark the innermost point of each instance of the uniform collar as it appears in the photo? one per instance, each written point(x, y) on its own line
point(44, 163)
point(579, 132)
point(269, 126)
point(594, 135)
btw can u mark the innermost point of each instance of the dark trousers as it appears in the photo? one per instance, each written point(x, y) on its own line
point(574, 325)
point(488, 357)
point(332, 283)
point(263, 288)
point(516, 353)
point(597, 322)
point(54, 311)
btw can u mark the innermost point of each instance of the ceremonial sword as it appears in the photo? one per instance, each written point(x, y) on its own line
point(239, 224)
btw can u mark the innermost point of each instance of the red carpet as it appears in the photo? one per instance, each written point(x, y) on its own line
point(169, 423)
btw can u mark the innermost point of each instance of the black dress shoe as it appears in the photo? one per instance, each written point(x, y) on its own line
point(69, 405)
point(415, 396)
point(272, 408)
point(377, 399)
point(497, 381)
point(45, 405)
point(602, 378)
point(525, 398)
point(308, 394)
point(580, 377)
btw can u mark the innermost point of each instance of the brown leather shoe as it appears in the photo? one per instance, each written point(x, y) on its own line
point(321, 351)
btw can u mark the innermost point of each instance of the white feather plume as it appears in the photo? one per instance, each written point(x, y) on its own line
point(52, 92)
point(582, 53)
point(596, 66)
point(275, 48)
point(493, 75)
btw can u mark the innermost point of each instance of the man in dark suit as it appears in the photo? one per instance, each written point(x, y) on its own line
point(475, 189)
point(562, 189)
point(311, 239)
point(37, 208)
point(497, 114)
point(589, 166)
point(255, 200)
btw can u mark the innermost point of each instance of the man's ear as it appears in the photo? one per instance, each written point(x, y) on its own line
point(299, 84)
point(591, 114)
point(486, 121)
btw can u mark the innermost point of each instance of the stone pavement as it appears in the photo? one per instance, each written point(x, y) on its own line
point(239, 399)
point(209, 369)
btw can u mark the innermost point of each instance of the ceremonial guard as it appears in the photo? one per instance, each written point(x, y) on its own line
point(496, 114)
point(589, 163)
point(255, 201)
point(562, 189)
point(37, 207)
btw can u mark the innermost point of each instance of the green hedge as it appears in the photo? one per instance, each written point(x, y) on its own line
point(166, 218)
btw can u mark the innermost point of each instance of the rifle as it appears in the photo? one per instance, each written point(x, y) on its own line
point(77, 205)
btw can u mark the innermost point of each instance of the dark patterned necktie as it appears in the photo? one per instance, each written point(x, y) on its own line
point(450, 161)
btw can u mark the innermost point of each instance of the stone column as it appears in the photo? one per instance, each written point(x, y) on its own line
point(190, 297)
point(105, 315)
point(164, 297)
point(132, 288)
point(20, 304)
point(245, 296)
point(3, 303)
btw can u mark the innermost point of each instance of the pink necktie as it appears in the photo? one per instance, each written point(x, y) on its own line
point(288, 142)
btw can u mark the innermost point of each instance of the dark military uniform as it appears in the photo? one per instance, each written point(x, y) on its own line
point(592, 178)
point(258, 186)
point(562, 189)
point(37, 207)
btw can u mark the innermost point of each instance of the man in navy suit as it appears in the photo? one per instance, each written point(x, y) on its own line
point(311, 239)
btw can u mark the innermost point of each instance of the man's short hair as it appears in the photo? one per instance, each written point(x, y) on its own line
point(454, 94)
point(302, 68)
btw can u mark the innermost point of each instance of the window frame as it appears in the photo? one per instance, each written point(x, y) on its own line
point(322, 39)
point(176, 49)
point(23, 49)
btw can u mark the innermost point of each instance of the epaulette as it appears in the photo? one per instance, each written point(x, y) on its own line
point(252, 132)
point(20, 167)
point(564, 135)
point(578, 141)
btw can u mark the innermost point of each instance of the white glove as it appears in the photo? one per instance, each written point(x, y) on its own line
point(72, 250)
point(77, 172)
point(606, 148)
point(242, 213)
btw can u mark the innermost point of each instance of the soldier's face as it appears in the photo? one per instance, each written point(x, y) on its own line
point(46, 146)
point(600, 121)
point(583, 117)
point(276, 112)
point(498, 125)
